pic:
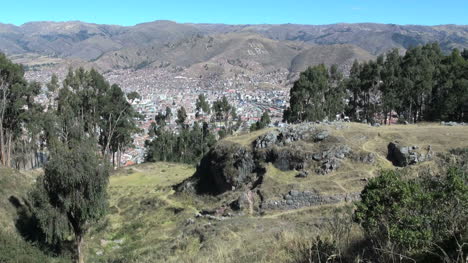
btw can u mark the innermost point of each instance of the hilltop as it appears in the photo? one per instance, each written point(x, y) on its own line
point(221, 48)
point(254, 204)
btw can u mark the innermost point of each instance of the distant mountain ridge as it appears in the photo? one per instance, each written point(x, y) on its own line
point(167, 43)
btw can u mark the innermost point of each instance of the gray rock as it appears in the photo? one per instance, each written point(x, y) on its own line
point(340, 155)
point(317, 157)
point(302, 174)
point(406, 155)
point(322, 135)
point(329, 165)
point(266, 140)
point(224, 168)
point(294, 193)
point(365, 157)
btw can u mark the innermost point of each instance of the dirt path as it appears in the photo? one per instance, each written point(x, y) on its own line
point(288, 212)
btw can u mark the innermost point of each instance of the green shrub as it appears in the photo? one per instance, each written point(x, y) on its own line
point(420, 217)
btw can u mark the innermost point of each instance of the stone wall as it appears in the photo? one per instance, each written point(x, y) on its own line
point(298, 199)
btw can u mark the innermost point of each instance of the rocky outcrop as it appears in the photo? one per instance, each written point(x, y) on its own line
point(231, 166)
point(407, 155)
point(331, 158)
point(225, 167)
point(286, 135)
point(277, 147)
point(283, 136)
point(297, 199)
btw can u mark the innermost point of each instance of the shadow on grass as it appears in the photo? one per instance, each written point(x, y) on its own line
point(29, 228)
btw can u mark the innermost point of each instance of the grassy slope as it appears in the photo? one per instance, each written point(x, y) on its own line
point(13, 184)
point(350, 178)
point(13, 248)
point(148, 223)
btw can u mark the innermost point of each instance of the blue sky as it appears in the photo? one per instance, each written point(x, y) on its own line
point(425, 12)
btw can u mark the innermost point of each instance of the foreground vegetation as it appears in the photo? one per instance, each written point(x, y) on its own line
point(147, 221)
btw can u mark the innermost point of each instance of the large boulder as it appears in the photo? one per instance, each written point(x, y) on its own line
point(407, 155)
point(227, 166)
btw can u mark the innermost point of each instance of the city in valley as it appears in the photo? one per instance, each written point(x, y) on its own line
point(234, 131)
point(251, 95)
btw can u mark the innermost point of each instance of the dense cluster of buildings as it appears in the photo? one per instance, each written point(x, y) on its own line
point(160, 88)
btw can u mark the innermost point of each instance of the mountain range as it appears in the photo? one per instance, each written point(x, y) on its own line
point(193, 46)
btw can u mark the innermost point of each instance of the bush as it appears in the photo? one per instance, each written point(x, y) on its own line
point(419, 217)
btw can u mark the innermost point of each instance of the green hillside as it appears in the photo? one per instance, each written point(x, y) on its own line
point(149, 221)
point(13, 248)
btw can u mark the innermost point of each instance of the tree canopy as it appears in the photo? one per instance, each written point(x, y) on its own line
point(318, 94)
point(422, 85)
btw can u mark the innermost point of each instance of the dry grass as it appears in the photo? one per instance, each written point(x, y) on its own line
point(148, 223)
point(247, 139)
point(350, 177)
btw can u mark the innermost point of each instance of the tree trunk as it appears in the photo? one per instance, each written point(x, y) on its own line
point(32, 161)
point(3, 87)
point(8, 159)
point(2, 144)
point(118, 156)
point(410, 116)
point(79, 246)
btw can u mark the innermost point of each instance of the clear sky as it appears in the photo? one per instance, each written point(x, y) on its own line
point(425, 12)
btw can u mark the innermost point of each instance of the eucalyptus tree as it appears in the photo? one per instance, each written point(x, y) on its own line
point(202, 106)
point(71, 195)
point(318, 94)
point(104, 110)
point(17, 97)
